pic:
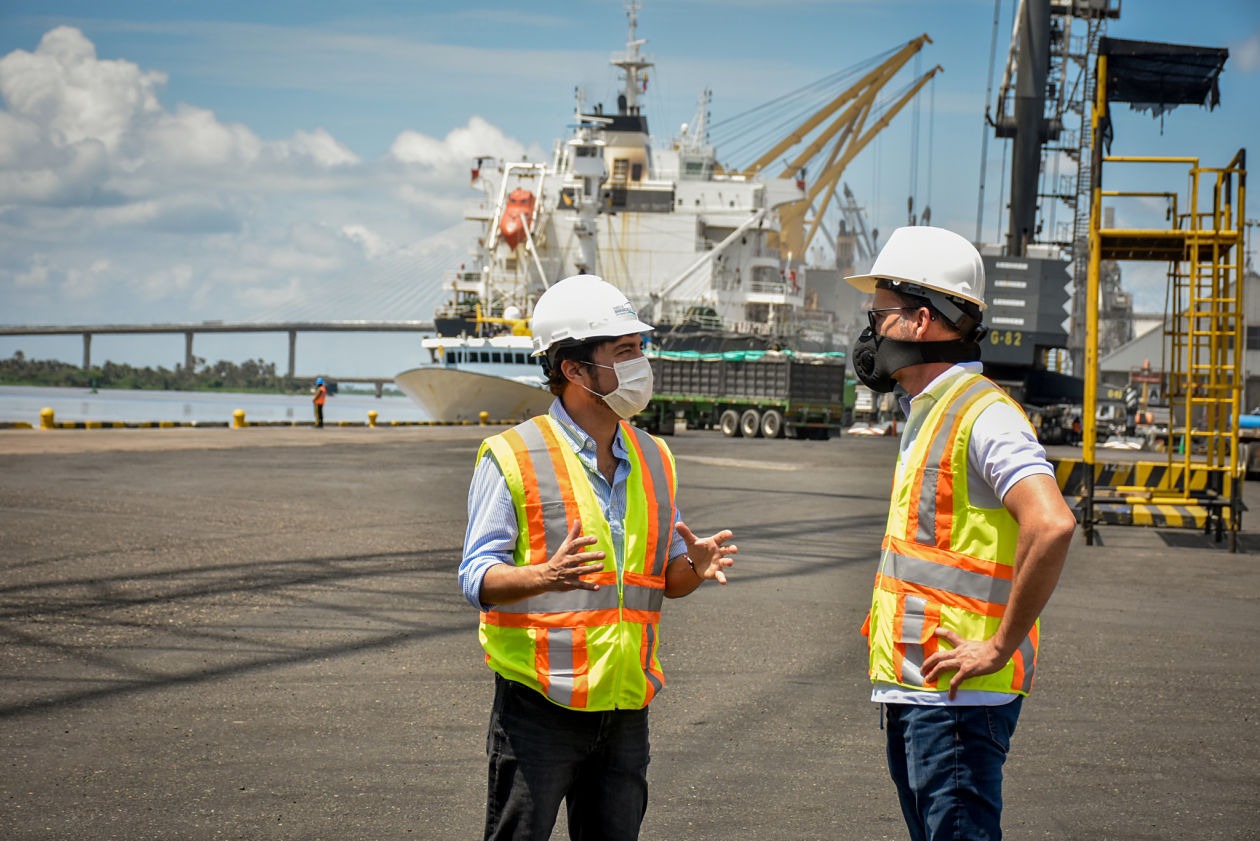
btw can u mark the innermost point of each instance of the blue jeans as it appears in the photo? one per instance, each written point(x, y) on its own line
point(947, 764)
point(541, 754)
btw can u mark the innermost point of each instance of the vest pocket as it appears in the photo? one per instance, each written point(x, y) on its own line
point(916, 636)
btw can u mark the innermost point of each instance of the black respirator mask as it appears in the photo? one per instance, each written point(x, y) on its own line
point(876, 358)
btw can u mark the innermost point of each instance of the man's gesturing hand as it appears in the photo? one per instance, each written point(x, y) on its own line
point(709, 554)
point(565, 569)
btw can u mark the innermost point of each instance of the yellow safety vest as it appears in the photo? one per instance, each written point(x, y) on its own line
point(583, 649)
point(945, 562)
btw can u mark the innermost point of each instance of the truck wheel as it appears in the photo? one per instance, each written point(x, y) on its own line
point(750, 423)
point(772, 424)
point(729, 423)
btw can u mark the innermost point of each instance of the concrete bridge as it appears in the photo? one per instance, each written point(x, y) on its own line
point(191, 329)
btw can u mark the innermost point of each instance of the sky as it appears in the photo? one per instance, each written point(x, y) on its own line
point(191, 161)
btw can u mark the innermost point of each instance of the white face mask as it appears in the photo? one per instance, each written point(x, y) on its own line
point(634, 387)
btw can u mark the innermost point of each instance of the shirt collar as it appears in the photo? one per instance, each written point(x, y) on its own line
point(957, 369)
point(577, 438)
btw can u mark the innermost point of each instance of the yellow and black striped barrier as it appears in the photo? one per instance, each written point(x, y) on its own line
point(1147, 475)
point(1148, 493)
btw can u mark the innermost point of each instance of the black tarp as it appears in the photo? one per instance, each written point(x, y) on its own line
point(1156, 77)
point(1148, 74)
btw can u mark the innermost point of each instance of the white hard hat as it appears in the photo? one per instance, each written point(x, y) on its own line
point(933, 259)
point(579, 308)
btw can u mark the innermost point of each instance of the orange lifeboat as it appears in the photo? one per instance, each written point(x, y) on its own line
point(517, 216)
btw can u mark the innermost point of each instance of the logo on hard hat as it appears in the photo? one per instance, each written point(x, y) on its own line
point(625, 311)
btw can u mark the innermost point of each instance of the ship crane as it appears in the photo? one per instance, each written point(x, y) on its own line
point(832, 137)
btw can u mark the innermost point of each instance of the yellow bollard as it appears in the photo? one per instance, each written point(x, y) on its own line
point(485, 418)
point(46, 420)
point(238, 419)
point(372, 418)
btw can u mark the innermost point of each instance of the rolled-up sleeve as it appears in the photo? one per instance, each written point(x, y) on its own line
point(491, 535)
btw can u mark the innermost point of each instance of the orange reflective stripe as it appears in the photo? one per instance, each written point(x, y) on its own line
point(931, 642)
point(606, 578)
point(1025, 660)
point(898, 633)
point(649, 487)
point(913, 504)
point(651, 671)
point(639, 579)
point(542, 661)
point(581, 669)
point(642, 617)
point(944, 502)
point(533, 502)
point(569, 619)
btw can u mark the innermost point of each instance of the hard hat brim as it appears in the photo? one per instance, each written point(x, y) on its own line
point(628, 328)
point(866, 283)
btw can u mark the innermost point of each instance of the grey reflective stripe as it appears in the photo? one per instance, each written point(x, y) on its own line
point(643, 598)
point(556, 530)
point(605, 598)
point(647, 659)
point(971, 585)
point(941, 443)
point(926, 533)
point(1029, 655)
point(912, 621)
point(560, 673)
point(654, 462)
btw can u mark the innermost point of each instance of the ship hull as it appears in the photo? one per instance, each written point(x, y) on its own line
point(449, 395)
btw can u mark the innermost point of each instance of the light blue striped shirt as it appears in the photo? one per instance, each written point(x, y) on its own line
point(492, 533)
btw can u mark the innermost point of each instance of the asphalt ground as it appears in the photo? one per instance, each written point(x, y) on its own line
point(258, 634)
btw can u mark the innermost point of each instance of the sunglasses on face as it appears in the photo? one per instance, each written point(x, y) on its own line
point(874, 316)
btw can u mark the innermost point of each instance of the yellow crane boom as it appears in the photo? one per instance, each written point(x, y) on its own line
point(845, 131)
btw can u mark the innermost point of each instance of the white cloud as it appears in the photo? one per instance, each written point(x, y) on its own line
point(71, 95)
point(85, 284)
point(457, 149)
point(193, 137)
point(37, 276)
point(373, 244)
point(118, 208)
point(68, 175)
point(164, 283)
point(320, 147)
point(257, 298)
point(1246, 53)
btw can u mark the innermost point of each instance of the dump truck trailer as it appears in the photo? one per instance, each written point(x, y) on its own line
point(750, 394)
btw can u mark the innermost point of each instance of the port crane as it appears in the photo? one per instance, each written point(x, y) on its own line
point(829, 139)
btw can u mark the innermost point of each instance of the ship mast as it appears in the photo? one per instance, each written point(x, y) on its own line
point(632, 63)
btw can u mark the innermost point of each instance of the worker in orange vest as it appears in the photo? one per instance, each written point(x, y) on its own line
point(321, 395)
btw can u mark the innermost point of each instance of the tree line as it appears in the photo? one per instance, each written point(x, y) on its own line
point(251, 375)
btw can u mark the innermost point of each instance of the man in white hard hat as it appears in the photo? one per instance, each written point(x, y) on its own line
point(977, 536)
point(573, 541)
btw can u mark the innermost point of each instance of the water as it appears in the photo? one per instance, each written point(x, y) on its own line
point(23, 403)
